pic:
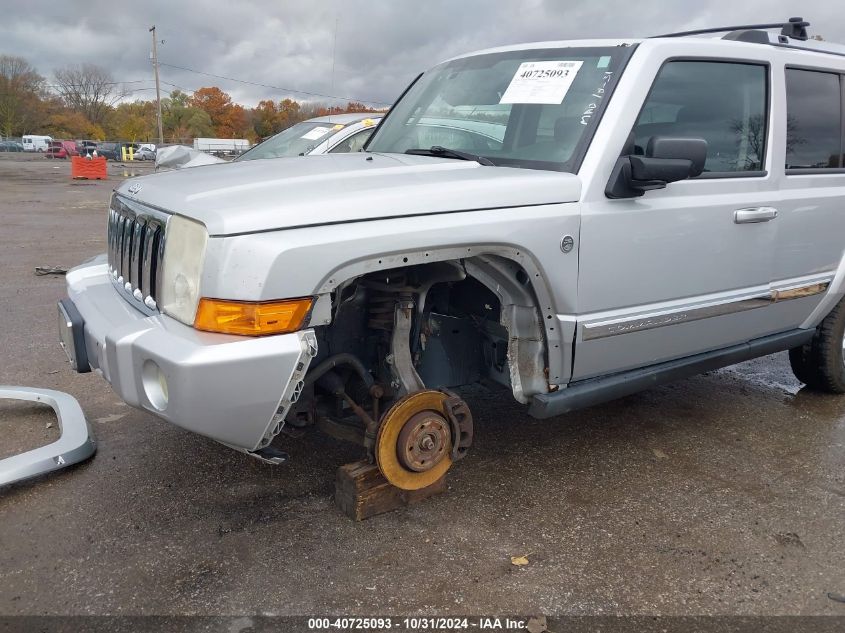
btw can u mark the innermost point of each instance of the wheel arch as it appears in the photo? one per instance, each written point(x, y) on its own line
point(535, 334)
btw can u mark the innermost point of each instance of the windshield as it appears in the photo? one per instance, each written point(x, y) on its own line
point(297, 140)
point(525, 108)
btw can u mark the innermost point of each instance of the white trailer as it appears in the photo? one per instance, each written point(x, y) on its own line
point(219, 146)
point(35, 143)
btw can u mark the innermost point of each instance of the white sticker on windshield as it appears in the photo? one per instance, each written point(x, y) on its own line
point(317, 132)
point(541, 82)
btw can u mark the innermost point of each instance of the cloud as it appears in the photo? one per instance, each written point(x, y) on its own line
point(378, 46)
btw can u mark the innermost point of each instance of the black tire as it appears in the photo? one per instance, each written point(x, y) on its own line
point(820, 364)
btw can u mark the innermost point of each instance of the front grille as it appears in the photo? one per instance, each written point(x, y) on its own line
point(136, 247)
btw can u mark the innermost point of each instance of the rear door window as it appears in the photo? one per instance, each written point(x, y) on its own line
point(813, 120)
point(724, 103)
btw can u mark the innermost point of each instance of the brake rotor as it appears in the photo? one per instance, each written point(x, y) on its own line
point(414, 442)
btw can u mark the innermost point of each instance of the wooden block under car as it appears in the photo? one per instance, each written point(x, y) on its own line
point(361, 491)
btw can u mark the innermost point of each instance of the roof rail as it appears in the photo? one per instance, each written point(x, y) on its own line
point(796, 28)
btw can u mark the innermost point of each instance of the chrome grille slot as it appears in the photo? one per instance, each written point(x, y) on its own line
point(135, 251)
point(139, 227)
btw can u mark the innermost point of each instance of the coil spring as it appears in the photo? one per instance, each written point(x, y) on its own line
point(380, 308)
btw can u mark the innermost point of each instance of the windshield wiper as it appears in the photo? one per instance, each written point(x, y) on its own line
point(445, 152)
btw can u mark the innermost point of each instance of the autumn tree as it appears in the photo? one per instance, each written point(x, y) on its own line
point(69, 124)
point(213, 101)
point(234, 123)
point(290, 112)
point(352, 106)
point(265, 118)
point(21, 91)
point(181, 120)
point(88, 89)
point(134, 121)
point(229, 119)
point(269, 118)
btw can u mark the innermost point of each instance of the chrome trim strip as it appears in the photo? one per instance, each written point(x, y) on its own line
point(604, 329)
point(800, 292)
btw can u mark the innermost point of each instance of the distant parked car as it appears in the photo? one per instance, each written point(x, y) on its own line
point(35, 142)
point(335, 134)
point(61, 149)
point(10, 146)
point(112, 151)
point(145, 153)
point(86, 147)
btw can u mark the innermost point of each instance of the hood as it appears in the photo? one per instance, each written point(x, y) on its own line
point(282, 193)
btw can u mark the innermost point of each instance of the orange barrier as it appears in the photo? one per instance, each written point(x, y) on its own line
point(88, 168)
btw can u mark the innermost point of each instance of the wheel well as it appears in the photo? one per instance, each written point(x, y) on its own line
point(475, 317)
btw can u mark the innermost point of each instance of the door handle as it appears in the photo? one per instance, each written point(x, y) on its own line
point(755, 214)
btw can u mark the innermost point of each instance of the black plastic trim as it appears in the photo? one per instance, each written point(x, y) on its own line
point(813, 171)
point(597, 390)
point(77, 329)
point(750, 35)
point(796, 26)
point(709, 175)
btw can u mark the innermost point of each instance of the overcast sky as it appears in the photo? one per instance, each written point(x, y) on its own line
point(380, 44)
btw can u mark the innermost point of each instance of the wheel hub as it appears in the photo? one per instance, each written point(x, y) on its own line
point(422, 441)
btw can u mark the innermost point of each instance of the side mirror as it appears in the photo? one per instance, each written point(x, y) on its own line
point(666, 160)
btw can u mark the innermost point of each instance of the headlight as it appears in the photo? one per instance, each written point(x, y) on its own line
point(184, 252)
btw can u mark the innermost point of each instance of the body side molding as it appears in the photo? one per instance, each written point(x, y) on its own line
point(683, 314)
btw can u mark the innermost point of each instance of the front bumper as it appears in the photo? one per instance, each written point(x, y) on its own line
point(233, 389)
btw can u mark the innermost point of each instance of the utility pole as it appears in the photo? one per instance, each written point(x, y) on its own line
point(158, 93)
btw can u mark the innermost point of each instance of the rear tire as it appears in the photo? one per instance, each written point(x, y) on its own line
point(820, 364)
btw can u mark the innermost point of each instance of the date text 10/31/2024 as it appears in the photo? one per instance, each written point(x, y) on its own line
point(418, 624)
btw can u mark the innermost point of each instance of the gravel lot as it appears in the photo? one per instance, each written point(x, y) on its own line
point(722, 494)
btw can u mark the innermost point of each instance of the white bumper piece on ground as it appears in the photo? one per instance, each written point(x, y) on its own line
point(74, 445)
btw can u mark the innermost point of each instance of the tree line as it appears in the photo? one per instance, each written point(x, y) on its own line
point(84, 101)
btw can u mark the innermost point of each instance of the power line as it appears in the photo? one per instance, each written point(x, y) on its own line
point(255, 83)
point(101, 83)
point(170, 83)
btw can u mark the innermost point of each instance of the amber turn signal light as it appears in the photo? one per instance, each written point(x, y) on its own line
point(252, 318)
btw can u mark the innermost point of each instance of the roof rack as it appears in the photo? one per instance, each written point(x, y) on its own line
point(796, 28)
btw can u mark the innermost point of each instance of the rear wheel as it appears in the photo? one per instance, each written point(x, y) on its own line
point(820, 364)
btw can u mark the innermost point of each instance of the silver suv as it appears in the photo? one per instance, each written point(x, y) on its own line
point(572, 221)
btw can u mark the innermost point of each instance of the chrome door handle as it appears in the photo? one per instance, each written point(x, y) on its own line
point(755, 214)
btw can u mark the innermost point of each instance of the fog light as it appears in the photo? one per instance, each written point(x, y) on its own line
point(155, 384)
